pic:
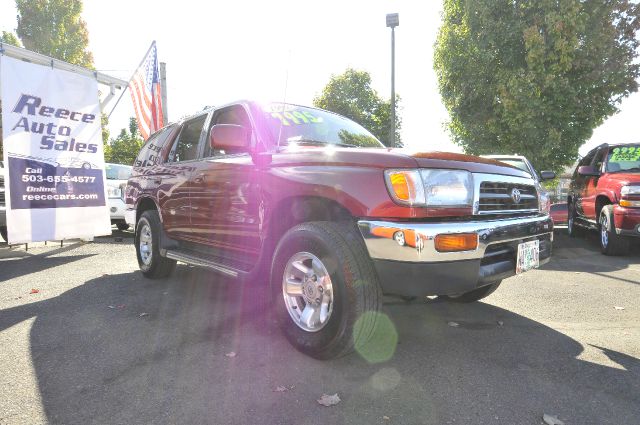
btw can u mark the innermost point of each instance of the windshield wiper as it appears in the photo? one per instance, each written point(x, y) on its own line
point(314, 142)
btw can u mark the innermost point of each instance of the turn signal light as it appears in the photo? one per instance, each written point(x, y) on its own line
point(402, 187)
point(627, 203)
point(456, 242)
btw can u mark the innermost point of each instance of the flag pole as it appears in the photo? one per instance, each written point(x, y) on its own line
point(132, 75)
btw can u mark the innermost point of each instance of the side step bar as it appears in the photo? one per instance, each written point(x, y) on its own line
point(197, 261)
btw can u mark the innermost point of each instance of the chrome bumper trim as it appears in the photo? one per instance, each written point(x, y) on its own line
point(416, 244)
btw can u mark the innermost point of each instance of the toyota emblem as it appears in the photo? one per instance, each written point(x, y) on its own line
point(515, 195)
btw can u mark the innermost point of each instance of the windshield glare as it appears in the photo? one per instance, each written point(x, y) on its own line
point(624, 158)
point(117, 171)
point(518, 163)
point(296, 124)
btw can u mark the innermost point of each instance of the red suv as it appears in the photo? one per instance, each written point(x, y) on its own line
point(605, 194)
point(312, 205)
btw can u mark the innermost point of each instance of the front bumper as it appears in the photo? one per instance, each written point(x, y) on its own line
point(627, 220)
point(117, 208)
point(407, 262)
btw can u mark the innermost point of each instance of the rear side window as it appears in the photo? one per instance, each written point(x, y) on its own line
point(185, 148)
point(150, 153)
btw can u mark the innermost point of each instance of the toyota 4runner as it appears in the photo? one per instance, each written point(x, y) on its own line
point(312, 205)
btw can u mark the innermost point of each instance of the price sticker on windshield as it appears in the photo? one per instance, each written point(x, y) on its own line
point(626, 153)
point(296, 117)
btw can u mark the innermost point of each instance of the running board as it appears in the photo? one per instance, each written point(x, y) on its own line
point(197, 261)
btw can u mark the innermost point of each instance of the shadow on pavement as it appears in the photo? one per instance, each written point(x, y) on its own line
point(582, 254)
point(33, 263)
point(123, 349)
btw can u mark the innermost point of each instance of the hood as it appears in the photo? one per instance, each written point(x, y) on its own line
point(623, 179)
point(391, 158)
point(474, 164)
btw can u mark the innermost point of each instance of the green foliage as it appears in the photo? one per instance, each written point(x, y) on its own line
point(10, 38)
point(350, 94)
point(55, 28)
point(125, 148)
point(535, 77)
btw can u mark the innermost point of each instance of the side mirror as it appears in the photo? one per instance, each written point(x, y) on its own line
point(547, 175)
point(229, 137)
point(588, 170)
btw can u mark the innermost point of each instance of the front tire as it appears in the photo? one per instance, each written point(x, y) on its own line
point(147, 241)
point(472, 296)
point(325, 292)
point(611, 243)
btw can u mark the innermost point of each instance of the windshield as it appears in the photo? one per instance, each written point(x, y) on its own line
point(518, 163)
point(117, 171)
point(296, 124)
point(624, 159)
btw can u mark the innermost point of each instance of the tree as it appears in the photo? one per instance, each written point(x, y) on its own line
point(350, 94)
point(55, 28)
point(534, 77)
point(125, 148)
point(10, 38)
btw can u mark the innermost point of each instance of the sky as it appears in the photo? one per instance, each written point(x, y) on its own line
point(218, 52)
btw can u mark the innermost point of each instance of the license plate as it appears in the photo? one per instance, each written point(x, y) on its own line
point(528, 256)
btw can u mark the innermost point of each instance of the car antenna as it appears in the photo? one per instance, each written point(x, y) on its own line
point(284, 99)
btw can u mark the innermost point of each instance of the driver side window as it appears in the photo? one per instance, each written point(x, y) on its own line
point(232, 115)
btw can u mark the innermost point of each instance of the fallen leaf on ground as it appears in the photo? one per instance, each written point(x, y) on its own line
point(112, 306)
point(231, 354)
point(329, 400)
point(500, 323)
point(453, 324)
point(551, 420)
point(617, 307)
point(143, 314)
point(34, 291)
point(386, 418)
point(121, 306)
point(281, 389)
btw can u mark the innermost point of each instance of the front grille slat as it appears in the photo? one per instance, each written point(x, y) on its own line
point(496, 198)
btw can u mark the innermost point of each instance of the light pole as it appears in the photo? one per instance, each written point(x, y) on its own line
point(393, 21)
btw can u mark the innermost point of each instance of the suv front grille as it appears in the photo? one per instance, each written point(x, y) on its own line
point(501, 197)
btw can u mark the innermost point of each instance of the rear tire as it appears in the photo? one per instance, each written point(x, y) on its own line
point(3, 233)
point(472, 296)
point(611, 243)
point(147, 241)
point(331, 256)
point(572, 228)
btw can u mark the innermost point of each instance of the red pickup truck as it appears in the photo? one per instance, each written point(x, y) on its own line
point(311, 204)
point(604, 194)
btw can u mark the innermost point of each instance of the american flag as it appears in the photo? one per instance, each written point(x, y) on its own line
point(146, 94)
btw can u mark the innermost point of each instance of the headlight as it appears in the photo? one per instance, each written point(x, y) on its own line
point(630, 190)
point(432, 188)
point(544, 202)
point(113, 192)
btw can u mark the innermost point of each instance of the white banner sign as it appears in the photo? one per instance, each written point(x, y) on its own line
point(53, 158)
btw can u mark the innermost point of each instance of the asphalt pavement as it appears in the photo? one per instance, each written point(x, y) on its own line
point(86, 339)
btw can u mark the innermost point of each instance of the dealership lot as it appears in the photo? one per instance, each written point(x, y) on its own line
point(86, 339)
